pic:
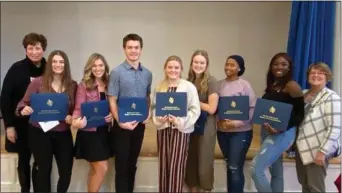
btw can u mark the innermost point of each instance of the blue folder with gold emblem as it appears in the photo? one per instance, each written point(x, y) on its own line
point(132, 109)
point(49, 107)
point(95, 112)
point(171, 103)
point(277, 114)
point(200, 123)
point(233, 108)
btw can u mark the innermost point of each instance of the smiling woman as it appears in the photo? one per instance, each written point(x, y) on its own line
point(279, 88)
point(199, 169)
point(93, 144)
point(174, 131)
point(13, 90)
point(235, 136)
point(58, 141)
point(319, 135)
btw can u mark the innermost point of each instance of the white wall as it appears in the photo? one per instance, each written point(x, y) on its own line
point(255, 30)
point(337, 70)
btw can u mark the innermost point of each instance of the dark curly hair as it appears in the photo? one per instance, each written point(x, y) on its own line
point(33, 39)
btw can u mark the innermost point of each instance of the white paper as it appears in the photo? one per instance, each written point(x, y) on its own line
point(46, 126)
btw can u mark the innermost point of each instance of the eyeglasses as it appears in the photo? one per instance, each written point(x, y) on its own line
point(318, 73)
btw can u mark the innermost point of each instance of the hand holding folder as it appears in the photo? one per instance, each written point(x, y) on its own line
point(171, 103)
point(273, 115)
point(233, 108)
point(95, 112)
point(132, 109)
point(48, 107)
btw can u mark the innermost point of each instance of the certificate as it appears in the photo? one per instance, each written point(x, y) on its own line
point(200, 123)
point(95, 112)
point(275, 113)
point(173, 103)
point(233, 108)
point(49, 107)
point(132, 109)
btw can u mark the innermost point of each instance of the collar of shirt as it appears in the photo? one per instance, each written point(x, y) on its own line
point(130, 67)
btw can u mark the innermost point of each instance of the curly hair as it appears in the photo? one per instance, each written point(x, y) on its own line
point(34, 39)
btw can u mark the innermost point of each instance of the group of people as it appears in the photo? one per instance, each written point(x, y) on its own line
point(185, 156)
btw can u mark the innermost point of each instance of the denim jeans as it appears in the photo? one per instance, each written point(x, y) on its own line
point(234, 147)
point(270, 156)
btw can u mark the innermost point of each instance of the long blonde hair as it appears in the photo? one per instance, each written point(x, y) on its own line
point(164, 84)
point(88, 76)
point(202, 82)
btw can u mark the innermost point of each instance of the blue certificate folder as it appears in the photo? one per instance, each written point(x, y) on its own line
point(173, 103)
point(132, 109)
point(49, 107)
point(275, 113)
point(200, 123)
point(95, 112)
point(233, 108)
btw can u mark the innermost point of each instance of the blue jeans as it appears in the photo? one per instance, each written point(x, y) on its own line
point(234, 147)
point(270, 156)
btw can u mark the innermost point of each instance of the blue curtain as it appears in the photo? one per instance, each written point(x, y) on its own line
point(311, 36)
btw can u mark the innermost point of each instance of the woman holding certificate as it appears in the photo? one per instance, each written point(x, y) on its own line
point(319, 134)
point(200, 164)
point(92, 144)
point(235, 135)
point(280, 88)
point(48, 138)
point(174, 131)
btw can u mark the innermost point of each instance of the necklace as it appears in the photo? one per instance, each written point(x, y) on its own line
point(274, 85)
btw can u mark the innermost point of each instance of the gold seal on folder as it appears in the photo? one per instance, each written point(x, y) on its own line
point(49, 102)
point(233, 104)
point(171, 100)
point(133, 106)
point(272, 110)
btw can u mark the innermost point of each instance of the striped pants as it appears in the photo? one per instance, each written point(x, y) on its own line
point(173, 152)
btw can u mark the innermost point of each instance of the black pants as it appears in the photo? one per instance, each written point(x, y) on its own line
point(127, 146)
point(21, 147)
point(46, 145)
point(24, 170)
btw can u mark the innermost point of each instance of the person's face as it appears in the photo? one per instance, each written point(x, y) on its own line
point(280, 67)
point(35, 52)
point(199, 64)
point(132, 50)
point(317, 77)
point(57, 64)
point(231, 68)
point(173, 70)
point(98, 68)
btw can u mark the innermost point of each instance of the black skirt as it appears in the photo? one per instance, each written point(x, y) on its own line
point(93, 146)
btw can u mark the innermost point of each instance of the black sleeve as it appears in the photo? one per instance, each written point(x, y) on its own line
point(6, 103)
point(298, 110)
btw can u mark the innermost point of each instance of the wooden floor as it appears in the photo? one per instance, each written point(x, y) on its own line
point(149, 147)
